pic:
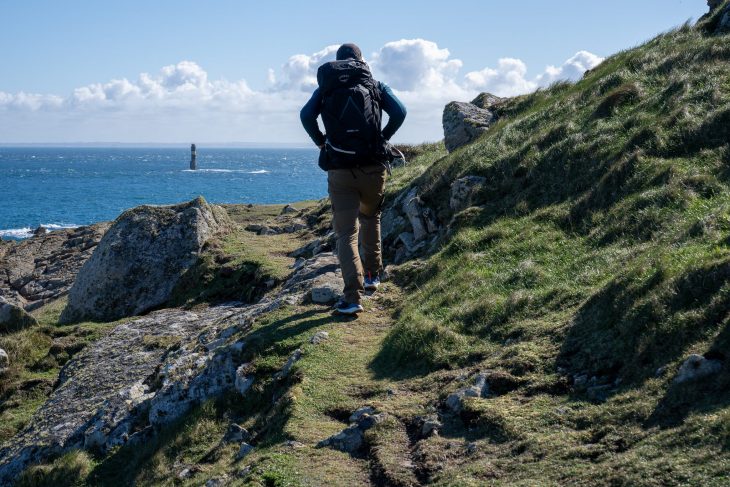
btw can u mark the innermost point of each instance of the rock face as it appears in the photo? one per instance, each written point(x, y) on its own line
point(145, 374)
point(696, 367)
point(480, 388)
point(4, 360)
point(14, 318)
point(464, 122)
point(414, 212)
point(141, 258)
point(713, 4)
point(352, 438)
point(43, 268)
point(724, 25)
point(328, 288)
point(463, 190)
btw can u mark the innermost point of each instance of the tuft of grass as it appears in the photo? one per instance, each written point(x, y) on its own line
point(67, 471)
point(617, 98)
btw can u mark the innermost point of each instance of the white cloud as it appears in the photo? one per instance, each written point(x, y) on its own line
point(29, 101)
point(572, 69)
point(181, 102)
point(416, 65)
point(508, 79)
point(300, 71)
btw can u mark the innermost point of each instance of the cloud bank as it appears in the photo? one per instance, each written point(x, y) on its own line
point(181, 103)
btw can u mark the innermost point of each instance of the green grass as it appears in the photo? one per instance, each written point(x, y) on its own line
point(36, 357)
point(237, 266)
point(599, 248)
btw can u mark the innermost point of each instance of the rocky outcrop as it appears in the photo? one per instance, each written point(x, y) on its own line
point(464, 122)
point(352, 438)
point(4, 360)
point(13, 317)
point(147, 373)
point(43, 268)
point(480, 388)
point(696, 367)
point(463, 190)
point(140, 259)
point(724, 25)
point(721, 24)
point(408, 225)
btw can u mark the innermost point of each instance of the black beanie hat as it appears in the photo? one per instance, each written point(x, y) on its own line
point(349, 51)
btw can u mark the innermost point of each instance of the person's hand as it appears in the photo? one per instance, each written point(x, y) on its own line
point(321, 147)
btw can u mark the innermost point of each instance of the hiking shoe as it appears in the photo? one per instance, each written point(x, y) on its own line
point(371, 283)
point(345, 308)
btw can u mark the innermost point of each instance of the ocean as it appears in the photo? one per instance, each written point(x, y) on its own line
point(68, 187)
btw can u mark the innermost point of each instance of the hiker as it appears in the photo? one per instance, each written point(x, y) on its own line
point(356, 154)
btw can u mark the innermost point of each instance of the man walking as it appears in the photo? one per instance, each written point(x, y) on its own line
point(356, 154)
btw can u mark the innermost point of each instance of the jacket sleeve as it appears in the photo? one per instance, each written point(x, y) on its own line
point(308, 115)
point(395, 110)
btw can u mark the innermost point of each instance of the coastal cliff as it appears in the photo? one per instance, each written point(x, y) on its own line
point(555, 311)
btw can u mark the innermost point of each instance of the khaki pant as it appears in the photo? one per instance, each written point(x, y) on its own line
point(356, 197)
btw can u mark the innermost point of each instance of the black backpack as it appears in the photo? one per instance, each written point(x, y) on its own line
point(351, 115)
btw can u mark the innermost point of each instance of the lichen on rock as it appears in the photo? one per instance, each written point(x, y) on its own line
point(141, 258)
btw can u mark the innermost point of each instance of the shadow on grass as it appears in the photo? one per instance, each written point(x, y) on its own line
point(703, 396)
point(275, 336)
point(124, 465)
point(635, 324)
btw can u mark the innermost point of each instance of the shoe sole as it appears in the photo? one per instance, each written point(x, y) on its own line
point(354, 312)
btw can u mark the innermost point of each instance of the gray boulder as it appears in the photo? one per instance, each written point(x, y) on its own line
point(352, 438)
point(14, 318)
point(141, 258)
point(4, 360)
point(463, 191)
point(430, 426)
point(294, 358)
point(480, 388)
point(236, 434)
point(243, 381)
point(697, 367)
point(244, 450)
point(360, 413)
point(319, 337)
point(414, 212)
point(464, 122)
point(289, 209)
point(327, 288)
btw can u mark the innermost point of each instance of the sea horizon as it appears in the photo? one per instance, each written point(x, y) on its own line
point(160, 145)
point(70, 186)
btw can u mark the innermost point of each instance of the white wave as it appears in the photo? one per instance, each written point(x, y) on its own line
point(17, 233)
point(258, 171)
point(59, 226)
point(26, 232)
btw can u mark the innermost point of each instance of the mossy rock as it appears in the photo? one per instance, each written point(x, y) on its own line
point(14, 318)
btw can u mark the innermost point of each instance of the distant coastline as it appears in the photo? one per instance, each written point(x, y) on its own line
point(159, 145)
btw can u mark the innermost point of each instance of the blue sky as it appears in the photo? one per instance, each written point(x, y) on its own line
point(224, 71)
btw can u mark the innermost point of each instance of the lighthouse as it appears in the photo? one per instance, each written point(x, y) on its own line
point(193, 158)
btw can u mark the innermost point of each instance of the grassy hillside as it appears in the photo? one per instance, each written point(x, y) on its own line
point(593, 262)
point(600, 247)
